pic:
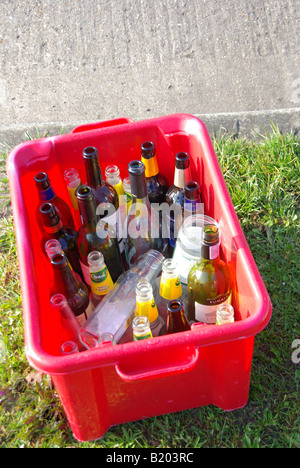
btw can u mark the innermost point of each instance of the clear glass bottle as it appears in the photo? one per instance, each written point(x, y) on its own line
point(96, 235)
point(146, 306)
point(188, 246)
point(47, 194)
point(73, 181)
point(112, 175)
point(170, 287)
point(143, 229)
point(209, 280)
point(176, 320)
point(101, 282)
point(69, 324)
point(225, 314)
point(157, 184)
point(69, 347)
point(115, 313)
point(141, 328)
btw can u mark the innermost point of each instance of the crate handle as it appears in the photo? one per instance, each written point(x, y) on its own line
point(186, 365)
point(104, 124)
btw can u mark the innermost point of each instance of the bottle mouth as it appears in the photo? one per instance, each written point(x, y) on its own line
point(210, 235)
point(174, 306)
point(84, 192)
point(136, 167)
point(71, 175)
point(42, 180)
point(90, 152)
point(46, 208)
point(193, 228)
point(182, 160)
point(192, 190)
point(58, 300)
point(58, 259)
point(148, 149)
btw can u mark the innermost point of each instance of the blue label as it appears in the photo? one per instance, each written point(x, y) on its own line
point(47, 195)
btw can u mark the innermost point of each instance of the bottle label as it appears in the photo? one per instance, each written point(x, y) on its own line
point(142, 337)
point(207, 313)
point(73, 198)
point(170, 288)
point(151, 166)
point(46, 195)
point(147, 309)
point(101, 282)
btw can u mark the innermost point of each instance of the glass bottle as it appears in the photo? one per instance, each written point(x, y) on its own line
point(176, 321)
point(101, 282)
point(175, 194)
point(225, 314)
point(145, 306)
point(188, 245)
point(141, 328)
point(170, 287)
point(73, 181)
point(209, 280)
point(96, 235)
point(47, 195)
point(115, 312)
point(69, 324)
point(192, 199)
point(106, 197)
point(112, 175)
point(69, 347)
point(157, 184)
point(75, 292)
point(143, 229)
point(127, 192)
point(53, 228)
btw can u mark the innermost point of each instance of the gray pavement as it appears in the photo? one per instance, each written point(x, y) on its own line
point(233, 64)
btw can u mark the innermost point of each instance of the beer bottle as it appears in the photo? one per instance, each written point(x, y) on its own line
point(75, 292)
point(192, 199)
point(47, 195)
point(53, 228)
point(141, 328)
point(209, 280)
point(157, 184)
point(96, 235)
point(170, 287)
point(143, 228)
point(175, 194)
point(101, 282)
point(176, 321)
point(145, 306)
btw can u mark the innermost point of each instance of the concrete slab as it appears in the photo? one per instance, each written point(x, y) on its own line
point(63, 63)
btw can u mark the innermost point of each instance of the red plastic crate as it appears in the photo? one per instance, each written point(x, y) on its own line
point(111, 385)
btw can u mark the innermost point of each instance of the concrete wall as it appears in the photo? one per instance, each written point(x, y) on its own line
point(235, 63)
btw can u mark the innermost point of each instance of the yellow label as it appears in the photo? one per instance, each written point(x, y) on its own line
point(147, 309)
point(170, 289)
point(151, 166)
point(119, 188)
point(101, 282)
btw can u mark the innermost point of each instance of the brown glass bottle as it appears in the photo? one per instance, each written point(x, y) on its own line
point(96, 235)
point(157, 184)
point(175, 194)
point(75, 292)
point(54, 229)
point(47, 194)
point(176, 319)
point(192, 199)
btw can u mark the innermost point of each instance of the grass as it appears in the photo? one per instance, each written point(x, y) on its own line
point(263, 179)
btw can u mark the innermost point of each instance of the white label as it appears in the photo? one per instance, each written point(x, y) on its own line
point(208, 313)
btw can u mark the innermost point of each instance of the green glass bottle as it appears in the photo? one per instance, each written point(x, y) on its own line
point(209, 280)
point(96, 235)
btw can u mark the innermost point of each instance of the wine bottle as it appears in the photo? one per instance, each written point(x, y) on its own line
point(175, 194)
point(75, 292)
point(176, 320)
point(96, 235)
point(144, 230)
point(157, 184)
point(101, 282)
point(47, 194)
point(170, 287)
point(145, 306)
point(141, 328)
point(53, 228)
point(209, 280)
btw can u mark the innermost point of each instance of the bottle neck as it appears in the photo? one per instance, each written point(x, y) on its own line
point(210, 252)
point(181, 177)
point(93, 172)
point(63, 276)
point(87, 207)
point(151, 166)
